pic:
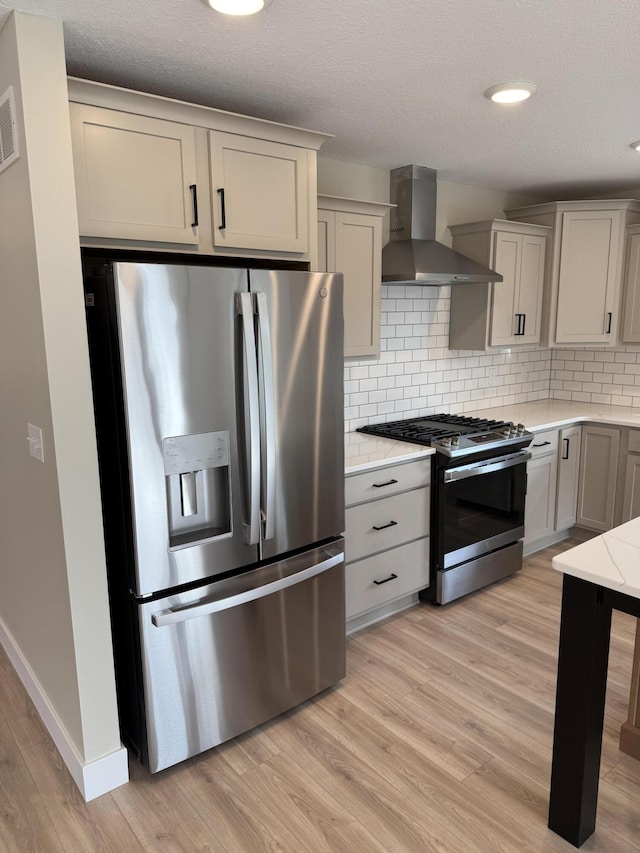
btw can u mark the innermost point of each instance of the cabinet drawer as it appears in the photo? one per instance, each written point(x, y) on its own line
point(379, 525)
point(410, 564)
point(544, 443)
point(382, 482)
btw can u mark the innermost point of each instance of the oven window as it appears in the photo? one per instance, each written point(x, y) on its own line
point(481, 507)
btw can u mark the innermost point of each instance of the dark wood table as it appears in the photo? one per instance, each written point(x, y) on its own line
point(585, 630)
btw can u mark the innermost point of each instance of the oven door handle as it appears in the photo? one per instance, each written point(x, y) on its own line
point(476, 469)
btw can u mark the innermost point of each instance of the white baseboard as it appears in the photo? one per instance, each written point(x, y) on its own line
point(372, 616)
point(93, 778)
point(540, 544)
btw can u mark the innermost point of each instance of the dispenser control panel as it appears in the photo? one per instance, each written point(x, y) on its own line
point(185, 453)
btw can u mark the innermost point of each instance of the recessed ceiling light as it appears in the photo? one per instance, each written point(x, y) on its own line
point(239, 7)
point(511, 93)
point(635, 145)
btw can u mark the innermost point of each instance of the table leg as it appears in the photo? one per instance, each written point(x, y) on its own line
point(630, 731)
point(585, 630)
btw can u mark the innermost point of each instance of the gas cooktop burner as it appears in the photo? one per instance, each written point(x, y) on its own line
point(454, 435)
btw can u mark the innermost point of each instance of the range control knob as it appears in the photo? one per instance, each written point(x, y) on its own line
point(455, 441)
point(446, 442)
point(521, 429)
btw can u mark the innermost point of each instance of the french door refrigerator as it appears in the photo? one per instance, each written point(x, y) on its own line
point(219, 412)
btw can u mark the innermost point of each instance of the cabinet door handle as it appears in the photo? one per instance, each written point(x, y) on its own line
point(542, 444)
point(609, 316)
point(382, 485)
point(565, 455)
point(524, 323)
point(518, 332)
point(384, 526)
point(223, 210)
point(391, 577)
point(194, 202)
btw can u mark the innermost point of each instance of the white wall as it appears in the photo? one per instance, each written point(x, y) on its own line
point(463, 203)
point(352, 180)
point(54, 620)
point(456, 202)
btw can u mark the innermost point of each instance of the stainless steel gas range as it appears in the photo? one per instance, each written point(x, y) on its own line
point(479, 485)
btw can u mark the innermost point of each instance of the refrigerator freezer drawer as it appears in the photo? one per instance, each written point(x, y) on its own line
point(221, 659)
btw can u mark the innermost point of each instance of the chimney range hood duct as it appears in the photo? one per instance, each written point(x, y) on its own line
point(413, 255)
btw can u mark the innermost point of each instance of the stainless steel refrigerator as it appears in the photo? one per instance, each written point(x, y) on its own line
point(219, 411)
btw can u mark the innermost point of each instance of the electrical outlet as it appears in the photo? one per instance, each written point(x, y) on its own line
point(34, 438)
point(492, 377)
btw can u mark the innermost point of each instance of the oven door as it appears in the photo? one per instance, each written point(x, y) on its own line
point(481, 507)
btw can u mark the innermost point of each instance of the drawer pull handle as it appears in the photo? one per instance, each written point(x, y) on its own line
point(382, 485)
point(384, 526)
point(391, 577)
point(565, 455)
point(542, 444)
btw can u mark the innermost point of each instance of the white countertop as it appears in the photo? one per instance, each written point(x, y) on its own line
point(547, 414)
point(362, 452)
point(611, 559)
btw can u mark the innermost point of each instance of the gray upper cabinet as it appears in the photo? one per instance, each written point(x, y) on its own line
point(503, 313)
point(583, 285)
point(259, 192)
point(631, 329)
point(350, 242)
point(161, 174)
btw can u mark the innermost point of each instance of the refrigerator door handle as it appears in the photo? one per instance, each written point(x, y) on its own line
point(252, 419)
point(183, 614)
point(267, 420)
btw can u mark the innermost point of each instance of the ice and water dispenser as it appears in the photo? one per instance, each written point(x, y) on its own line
point(196, 468)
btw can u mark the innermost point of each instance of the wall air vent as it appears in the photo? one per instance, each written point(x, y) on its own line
point(8, 133)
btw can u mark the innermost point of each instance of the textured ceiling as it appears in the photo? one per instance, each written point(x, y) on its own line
point(396, 81)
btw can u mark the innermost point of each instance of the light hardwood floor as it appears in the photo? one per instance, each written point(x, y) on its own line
point(438, 740)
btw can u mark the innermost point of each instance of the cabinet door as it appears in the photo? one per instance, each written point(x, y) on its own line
point(133, 176)
point(540, 504)
point(359, 257)
point(530, 285)
point(506, 259)
point(631, 332)
point(568, 471)
point(326, 241)
point(598, 476)
point(259, 194)
point(631, 501)
point(588, 278)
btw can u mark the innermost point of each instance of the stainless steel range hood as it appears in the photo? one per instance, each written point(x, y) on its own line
point(413, 255)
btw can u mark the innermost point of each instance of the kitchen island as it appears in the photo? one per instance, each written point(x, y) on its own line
point(600, 576)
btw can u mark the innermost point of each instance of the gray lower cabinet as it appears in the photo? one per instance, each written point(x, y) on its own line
point(542, 470)
point(386, 539)
point(598, 477)
point(631, 494)
point(568, 477)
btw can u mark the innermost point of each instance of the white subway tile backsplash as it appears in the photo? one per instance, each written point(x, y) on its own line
point(609, 376)
point(418, 374)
